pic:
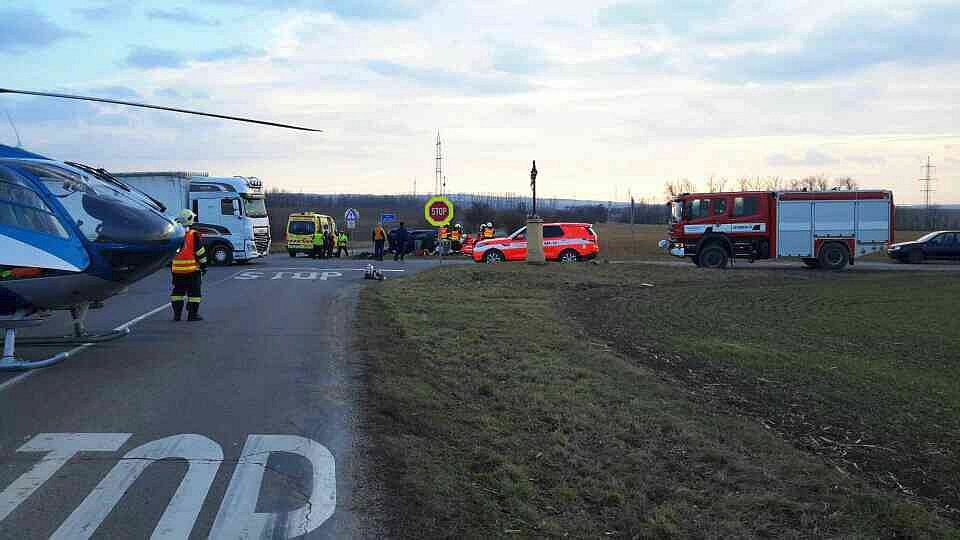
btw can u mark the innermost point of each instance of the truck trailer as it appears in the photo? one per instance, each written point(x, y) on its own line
point(231, 211)
point(825, 229)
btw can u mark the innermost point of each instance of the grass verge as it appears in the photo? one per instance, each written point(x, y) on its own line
point(499, 403)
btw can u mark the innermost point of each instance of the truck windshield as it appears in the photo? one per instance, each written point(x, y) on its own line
point(255, 208)
point(676, 212)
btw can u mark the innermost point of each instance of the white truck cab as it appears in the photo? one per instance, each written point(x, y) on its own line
point(232, 216)
point(231, 211)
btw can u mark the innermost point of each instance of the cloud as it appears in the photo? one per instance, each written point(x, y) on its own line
point(115, 92)
point(229, 53)
point(105, 12)
point(347, 9)
point(675, 15)
point(813, 158)
point(152, 58)
point(852, 43)
point(23, 30)
point(171, 93)
point(441, 78)
point(519, 60)
point(181, 16)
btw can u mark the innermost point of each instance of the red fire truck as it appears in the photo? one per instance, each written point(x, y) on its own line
point(826, 229)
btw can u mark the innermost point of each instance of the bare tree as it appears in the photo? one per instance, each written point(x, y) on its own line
point(822, 183)
point(845, 183)
point(672, 188)
point(716, 185)
point(772, 183)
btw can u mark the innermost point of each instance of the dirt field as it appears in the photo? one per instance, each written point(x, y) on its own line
point(646, 402)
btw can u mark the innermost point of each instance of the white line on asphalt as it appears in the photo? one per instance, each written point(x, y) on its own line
point(26, 375)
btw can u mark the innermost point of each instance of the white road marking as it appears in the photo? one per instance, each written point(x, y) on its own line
point(202, 455)
point(60, 448)
point(72, 352)
point(300, 272)
point(238, 518)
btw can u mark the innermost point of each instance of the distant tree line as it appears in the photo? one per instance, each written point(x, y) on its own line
point(715, 184)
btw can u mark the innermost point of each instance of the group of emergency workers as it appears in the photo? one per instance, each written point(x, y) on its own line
point(327, 245)
point(190, 264)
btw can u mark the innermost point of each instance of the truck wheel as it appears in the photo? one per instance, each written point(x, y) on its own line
point(916, 256)
point(833, 256)
point(221, 255)
point(811, 263)
point(569, 256)
point(292, 253)
point(713, 256)
point(493, 257)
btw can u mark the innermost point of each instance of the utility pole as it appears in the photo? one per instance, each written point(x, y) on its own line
point(438, 180)
point(927, 188)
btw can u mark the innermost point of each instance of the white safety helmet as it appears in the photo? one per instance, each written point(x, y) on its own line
point(186, 217)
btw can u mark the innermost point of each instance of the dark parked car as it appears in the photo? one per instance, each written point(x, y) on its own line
point(418, 239)
point(940, 245)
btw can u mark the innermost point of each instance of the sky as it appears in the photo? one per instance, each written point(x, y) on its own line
point(612, 98)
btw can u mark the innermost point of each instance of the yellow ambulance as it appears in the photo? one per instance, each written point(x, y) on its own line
point(301, 229)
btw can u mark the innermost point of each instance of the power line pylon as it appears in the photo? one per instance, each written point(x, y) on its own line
point(927, 187)
point(438, 181)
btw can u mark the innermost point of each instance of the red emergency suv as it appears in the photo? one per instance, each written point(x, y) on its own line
point(564, 242)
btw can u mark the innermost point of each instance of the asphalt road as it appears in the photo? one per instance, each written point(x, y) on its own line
point(242, 425)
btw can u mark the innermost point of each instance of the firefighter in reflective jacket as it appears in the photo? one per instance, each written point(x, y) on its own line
point(188, 267)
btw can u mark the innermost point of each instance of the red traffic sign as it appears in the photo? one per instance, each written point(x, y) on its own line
point(438, 211)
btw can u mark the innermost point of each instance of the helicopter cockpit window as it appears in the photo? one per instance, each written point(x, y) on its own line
point(22, 208)
point(102, 212)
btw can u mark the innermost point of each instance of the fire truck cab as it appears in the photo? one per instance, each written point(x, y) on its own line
point(825, 229)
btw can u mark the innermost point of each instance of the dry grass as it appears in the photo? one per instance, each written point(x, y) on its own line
point(622, 241)
point(543, 402)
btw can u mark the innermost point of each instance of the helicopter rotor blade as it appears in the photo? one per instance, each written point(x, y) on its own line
point(157, 107)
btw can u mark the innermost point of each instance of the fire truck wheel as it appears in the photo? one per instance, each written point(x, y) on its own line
point(713, 256)
point(833, 256)
point(569, 256)
point(493, 257)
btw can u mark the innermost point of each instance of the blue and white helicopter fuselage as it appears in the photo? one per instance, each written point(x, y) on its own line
point(71, 237)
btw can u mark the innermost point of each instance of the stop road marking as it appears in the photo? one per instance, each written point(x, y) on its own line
point(237, 517)
point(300, 275)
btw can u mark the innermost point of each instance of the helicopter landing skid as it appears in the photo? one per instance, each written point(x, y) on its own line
point(9, 361)
point(80, 334)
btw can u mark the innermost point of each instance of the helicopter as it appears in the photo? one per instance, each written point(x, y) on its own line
point(72, 236)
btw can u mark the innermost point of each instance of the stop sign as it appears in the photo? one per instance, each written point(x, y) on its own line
point(438, 211)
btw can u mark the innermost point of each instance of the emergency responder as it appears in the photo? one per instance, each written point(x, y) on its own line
point(402, 238)
point(318, 249)
point(486, 232)
point(342, 244)
point(456, 238)
point(188, 267)
point(328, 240)
point(379, 238)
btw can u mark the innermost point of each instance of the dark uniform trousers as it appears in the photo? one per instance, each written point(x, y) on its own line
point(186, 288)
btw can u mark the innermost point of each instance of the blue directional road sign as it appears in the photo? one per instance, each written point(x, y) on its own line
point(388, 217)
